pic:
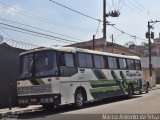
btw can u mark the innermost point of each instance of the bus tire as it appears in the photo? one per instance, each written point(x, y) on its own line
point(130, 91)
point(147, 90)
point(79, 98)
point(140, 92)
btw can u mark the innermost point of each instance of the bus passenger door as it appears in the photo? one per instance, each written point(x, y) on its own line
point(81, 74)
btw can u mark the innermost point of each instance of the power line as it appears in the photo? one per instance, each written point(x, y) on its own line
point(142, 10)
point(108, 5)
point(147, 11)
point(35, 32)
point(97, 29)
point(83, 15)
point(39, 28)
point(118, 35)
point(120, 7)
point(45, 20)
point(21, 30)
point(75, 11)
point(133, 36)
point(136, 2)
point(5, 32)
point(135, 10)
point(116, 6)
point(137, 6)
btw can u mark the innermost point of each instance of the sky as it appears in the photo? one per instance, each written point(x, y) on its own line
point(59, 22)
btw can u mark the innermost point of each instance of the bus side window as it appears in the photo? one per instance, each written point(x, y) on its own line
point(112, 62)
point(67, 64)
point(89, 61)
point(99, 61)
point(82, 60)
point(131, 64)
point(69, 60)
point(122, 63)
point(102, 62)
point(66, 59)
point(138, 65)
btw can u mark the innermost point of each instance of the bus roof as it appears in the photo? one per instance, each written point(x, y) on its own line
point(74, 50)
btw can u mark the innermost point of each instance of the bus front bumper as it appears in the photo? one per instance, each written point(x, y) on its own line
point(40, 99)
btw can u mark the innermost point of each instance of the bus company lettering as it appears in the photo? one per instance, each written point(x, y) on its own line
point(133, 74)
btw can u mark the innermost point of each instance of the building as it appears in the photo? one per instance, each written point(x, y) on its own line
point(9, 72)
point(142, 50)
point(102, 45)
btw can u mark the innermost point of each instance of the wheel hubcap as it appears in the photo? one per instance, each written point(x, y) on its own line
point(79, 99)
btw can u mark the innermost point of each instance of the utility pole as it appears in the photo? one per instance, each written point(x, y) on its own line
point(150, 60)
point(93, 42)
point(112, 43)
point(105, 15)
point(150, 35)
point(104, 19)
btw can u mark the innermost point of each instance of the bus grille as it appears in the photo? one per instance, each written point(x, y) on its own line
point(36, 89)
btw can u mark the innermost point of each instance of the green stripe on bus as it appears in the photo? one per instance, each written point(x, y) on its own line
point(100, 82)
point(104, 89)
point(40, 81)
point(131, 81)
point(103, 85)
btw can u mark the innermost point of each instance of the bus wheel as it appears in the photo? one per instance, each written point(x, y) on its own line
point(130, 91)
point(140, 92)
point(79, 99)
point(147, 90)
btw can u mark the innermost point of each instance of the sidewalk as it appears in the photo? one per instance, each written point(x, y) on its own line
point(156, 87)
point(17, 110)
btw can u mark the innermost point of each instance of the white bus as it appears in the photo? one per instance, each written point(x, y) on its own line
point(65, 75)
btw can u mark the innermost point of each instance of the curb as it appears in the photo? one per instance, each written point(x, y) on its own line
point(155, 88)
point(19, 111)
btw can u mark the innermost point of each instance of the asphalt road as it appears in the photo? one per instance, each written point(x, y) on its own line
point(146, 103)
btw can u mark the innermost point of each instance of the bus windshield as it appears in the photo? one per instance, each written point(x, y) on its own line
point(45, 64)
point(26, 66)
point(39, 64)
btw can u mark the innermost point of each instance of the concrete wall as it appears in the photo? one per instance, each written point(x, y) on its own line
point(155, 62)
point(146, 76)
point(157, 75)
point(156, 65)
point(9, 72)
